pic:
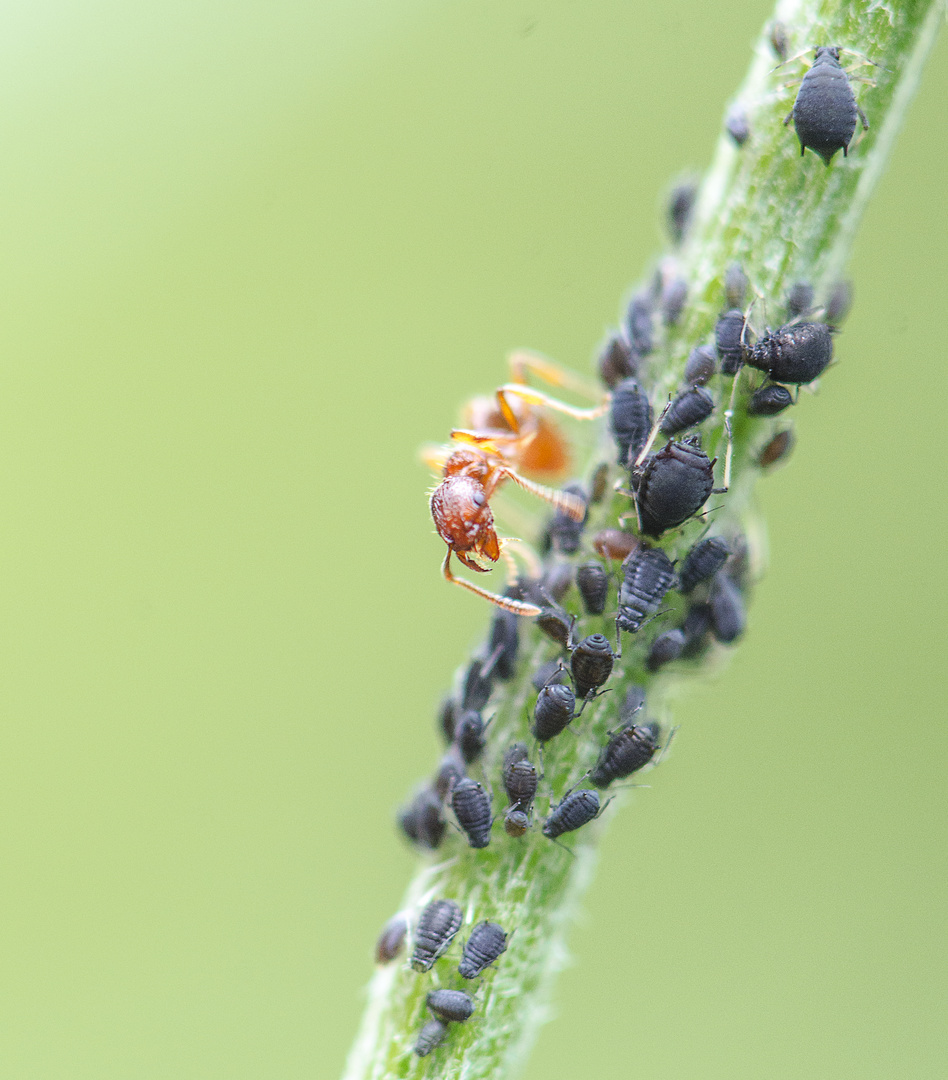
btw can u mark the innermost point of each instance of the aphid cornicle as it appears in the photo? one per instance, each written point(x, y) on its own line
point(729, 337)
point(825, 110)
point(437, 925)
point(471, 806)
point(486, 943)
point(647, 574)
point(665, 648)
point(430, 1036)
point(629, 749)
point(691, 407)
point(630, 418)
point(553, 712)
point(673, 485)
point(702, 562)
point(452, 1005)
point(795, 353)
point(391, 940)
point(590, 663)
point(593, 584)
point(573, 811)
point(769, 400)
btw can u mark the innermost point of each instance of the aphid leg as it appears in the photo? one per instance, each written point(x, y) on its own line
point(602, 809)
point(789, 118)
point(566, 794)
point(571, 505)
point(862, 117)
point(569, 851)
point(516, 607)
point(523, 361)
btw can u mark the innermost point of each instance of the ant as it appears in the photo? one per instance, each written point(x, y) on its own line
point(489, 455)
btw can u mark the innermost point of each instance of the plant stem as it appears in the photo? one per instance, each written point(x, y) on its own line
point(785, 219)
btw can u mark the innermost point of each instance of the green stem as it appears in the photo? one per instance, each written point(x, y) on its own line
point(785, 219)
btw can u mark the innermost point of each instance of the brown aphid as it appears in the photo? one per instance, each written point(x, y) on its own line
point(777, 449)
point(614, 544)
point(391, 940)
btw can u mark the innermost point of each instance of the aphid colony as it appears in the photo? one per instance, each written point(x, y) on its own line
point(597, 580)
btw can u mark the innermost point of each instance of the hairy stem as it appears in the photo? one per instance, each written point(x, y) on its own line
point(784, 219)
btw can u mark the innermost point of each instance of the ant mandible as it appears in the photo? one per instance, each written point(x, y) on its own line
point(460, 504)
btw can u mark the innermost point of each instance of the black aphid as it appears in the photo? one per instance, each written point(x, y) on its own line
point(631, 747)
point(825, 111)
point(590, 664)
point(728, 615)
point(452, 1005)
point(564, 532)
point(553, 712)
point(674, 298)
point(737, 126)
point(555, 623)
point(702, 562)
point(520, 778)
point(665, 648)
point(486, 943)
point(839, 302)
point(680, 205)
point(799, 299)
point(550, 672)
point(647, 574)
point(575, 809)
point(779, 41)
point(556, 581)
point(638, 323)
point(691, 407)
point(735, 285)
point(728, 334)
point(776, 449)
point(447, 718)
point(477, 686)
point(451, 769)
point(503, 644)
point(617, 361)
point(391, 940)
point(430, 1036)
point(471, 806)
point(769, 400)
point(795, 353)
point(702, 364)
point(422, 821)
point(673, 485)
point(469, 735)
point(593, 584)
point(696, 628)
point(630, 418)
point(438, 923)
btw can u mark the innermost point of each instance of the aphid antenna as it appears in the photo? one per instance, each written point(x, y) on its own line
point(566, 794)
point(653, 435)
point(791, 60)
point(664, 749)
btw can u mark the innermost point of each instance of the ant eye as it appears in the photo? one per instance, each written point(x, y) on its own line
point(478, 498)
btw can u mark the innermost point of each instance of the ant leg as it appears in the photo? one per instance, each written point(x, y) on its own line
point(537, 397)
point(523, 361)
point(526, 553)
point(493, 443)
point(571, 505)
point(516, 607)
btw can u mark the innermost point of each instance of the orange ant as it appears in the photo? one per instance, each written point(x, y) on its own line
point(460, 504)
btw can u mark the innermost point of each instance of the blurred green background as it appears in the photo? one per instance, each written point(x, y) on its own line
point(253, 256)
